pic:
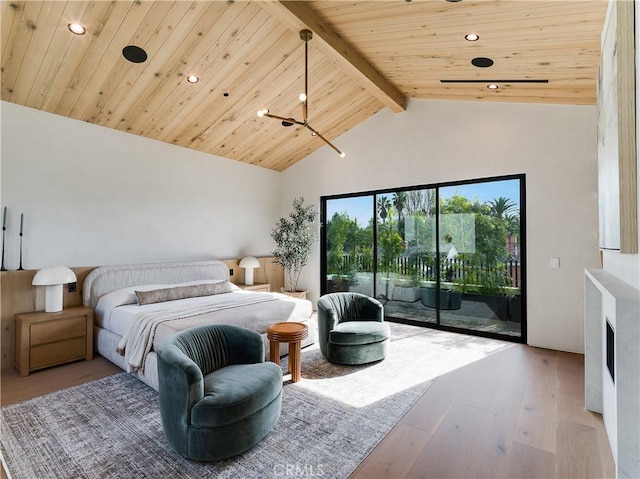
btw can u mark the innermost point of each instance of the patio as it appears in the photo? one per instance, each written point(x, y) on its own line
point(472, 315)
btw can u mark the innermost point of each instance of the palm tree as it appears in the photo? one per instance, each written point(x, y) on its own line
point(399, 203)
point(513, 223)
point(384, 205)
point(501, 206)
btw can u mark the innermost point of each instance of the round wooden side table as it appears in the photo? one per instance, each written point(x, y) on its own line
point(292, 333)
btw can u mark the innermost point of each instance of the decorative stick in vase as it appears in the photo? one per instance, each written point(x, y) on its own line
point(20, 268)
point(4, 228)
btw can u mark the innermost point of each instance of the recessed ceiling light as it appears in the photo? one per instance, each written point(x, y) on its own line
point(193, 79)
point(492, 86)
point(453, 1)
point(134, 54)
point(482, 62)
point(472, 37)
point(76, 28)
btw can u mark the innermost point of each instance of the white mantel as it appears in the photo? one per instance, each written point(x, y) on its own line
point(608, 298)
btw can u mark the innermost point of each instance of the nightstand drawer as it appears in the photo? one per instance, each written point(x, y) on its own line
point(49, 332)
point(59, 352)
point(48, 339)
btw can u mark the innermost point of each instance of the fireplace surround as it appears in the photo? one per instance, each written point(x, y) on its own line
point(612, 364)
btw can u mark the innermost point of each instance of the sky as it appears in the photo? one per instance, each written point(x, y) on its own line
point(361, 207)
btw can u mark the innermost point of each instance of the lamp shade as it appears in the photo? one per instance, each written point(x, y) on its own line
point(53, 278)
point(54, 275)
point(248, 263)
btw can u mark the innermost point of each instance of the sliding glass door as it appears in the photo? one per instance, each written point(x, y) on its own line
point(406, 248)
point(448, 256)
point(348, 236)
point(480, 257)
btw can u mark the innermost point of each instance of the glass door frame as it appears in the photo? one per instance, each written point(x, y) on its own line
point(436, 186)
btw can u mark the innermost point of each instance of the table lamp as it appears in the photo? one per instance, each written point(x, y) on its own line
point(53, 278)
point(249, 263)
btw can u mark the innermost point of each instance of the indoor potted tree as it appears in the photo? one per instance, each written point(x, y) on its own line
point(294, 237)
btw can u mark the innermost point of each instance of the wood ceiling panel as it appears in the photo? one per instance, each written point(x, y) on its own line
point(91, 79)
point(253, 53)
point(54, 85)
point(121, 79)
point(23, 29)
point(167, 87)
point(232, 59)
point(7, 20)
point(98, 53)
point(350, 13)
point(41, 67)
point(139, 87)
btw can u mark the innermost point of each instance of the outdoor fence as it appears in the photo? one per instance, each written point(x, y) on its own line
point(425, 269)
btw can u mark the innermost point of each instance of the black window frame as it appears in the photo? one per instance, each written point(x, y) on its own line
point(521, 177)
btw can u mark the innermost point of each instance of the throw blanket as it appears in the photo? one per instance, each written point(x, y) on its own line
point(136, 344)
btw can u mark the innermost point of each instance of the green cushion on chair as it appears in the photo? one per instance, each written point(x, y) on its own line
point(359, 332)
point(236, 391)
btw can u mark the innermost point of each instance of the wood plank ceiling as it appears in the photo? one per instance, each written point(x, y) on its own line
point(364, 56)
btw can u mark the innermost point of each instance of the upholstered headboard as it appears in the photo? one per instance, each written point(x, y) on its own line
point(105, 279)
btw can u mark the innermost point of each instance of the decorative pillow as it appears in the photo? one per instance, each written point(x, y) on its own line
point(182, 292)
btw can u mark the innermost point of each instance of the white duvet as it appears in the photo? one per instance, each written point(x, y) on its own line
point(143, 327)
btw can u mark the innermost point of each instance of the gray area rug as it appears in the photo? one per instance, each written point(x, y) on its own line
point(331, 419)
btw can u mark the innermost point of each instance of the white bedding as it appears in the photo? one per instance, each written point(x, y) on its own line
point(143, 327)
point(115, 311)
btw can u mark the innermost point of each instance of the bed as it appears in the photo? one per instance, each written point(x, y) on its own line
point(136, 306)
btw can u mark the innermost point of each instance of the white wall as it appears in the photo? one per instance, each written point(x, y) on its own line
point(93, 196)
point(627, 266)
point(437, 141)
point(98, 196)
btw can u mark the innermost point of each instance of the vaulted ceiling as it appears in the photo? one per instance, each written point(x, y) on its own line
point(364, 56)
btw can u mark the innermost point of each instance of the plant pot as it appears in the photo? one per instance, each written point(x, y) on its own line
point(295, 294)
point(406, 294)
point(448, 299)
point(497, 303)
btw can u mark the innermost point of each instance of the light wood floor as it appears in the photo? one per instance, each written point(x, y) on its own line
point(518, 413)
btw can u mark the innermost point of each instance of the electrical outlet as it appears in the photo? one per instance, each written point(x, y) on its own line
point(71, 287)
point(230, 272)
point(555, 262)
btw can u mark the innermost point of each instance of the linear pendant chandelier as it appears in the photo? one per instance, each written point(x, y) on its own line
point(305, 35)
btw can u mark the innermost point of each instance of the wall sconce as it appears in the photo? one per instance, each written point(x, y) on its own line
point(248, 263)
point(53, 278)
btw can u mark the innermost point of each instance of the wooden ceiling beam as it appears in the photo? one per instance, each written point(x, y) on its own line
point(298, 15)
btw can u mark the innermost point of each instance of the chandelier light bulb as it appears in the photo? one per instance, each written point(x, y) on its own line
point(262, 112)
point(303, 97)
point(342, 154)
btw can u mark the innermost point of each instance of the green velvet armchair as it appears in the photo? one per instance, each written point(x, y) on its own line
point(351, 328)
point(218, 397)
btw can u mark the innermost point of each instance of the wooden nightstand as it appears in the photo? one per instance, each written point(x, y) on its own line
point(48, 339)
point(258, 287)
